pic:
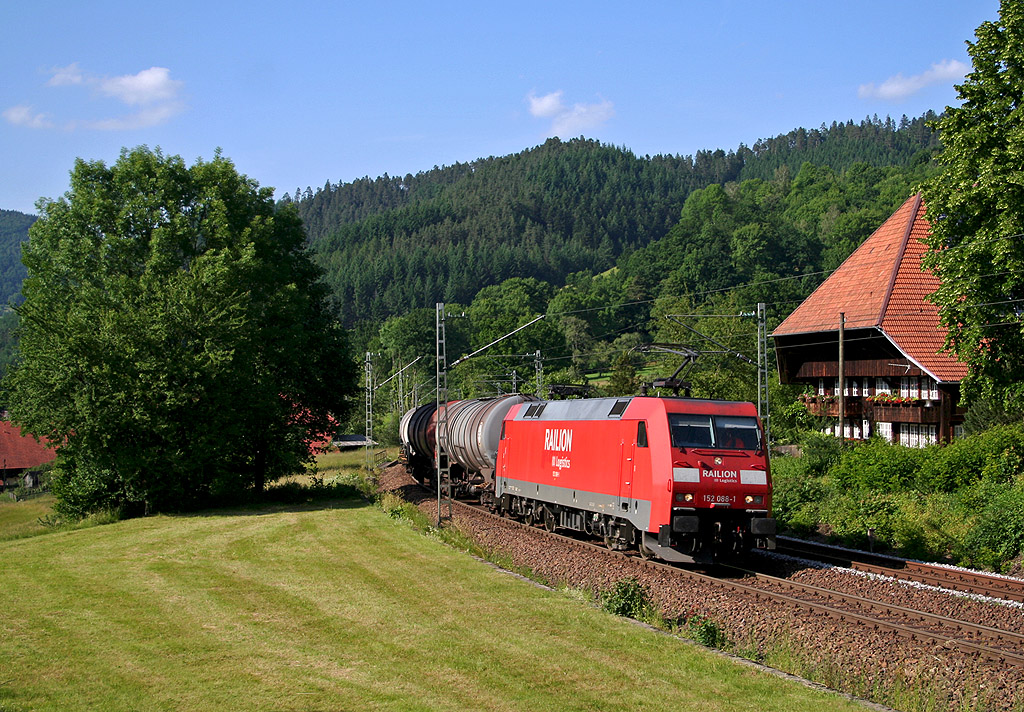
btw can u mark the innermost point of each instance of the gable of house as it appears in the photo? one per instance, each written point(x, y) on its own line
point(882, 287)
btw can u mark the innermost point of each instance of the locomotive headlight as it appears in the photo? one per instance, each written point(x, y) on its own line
point(754, 499)
point(680, 497)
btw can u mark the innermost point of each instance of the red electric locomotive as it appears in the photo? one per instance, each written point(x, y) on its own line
point(681, 479)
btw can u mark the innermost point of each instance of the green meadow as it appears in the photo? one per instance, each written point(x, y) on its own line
point(325, 606)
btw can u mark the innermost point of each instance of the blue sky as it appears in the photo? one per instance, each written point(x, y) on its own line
point(298, 94)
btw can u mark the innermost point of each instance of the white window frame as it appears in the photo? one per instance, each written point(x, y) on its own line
point(884, 429)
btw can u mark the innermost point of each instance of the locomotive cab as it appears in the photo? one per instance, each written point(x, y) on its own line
point(720, 487)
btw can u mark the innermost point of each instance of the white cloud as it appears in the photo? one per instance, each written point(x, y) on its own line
point(147, 87)
point(23, 116)
point(582, 116)
point(900, 87)
point(566, 120)
point(64, 76)
point(151, 92)
point(151, 116)
point(547, 105)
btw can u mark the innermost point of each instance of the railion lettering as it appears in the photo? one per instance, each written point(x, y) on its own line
point(558, 439)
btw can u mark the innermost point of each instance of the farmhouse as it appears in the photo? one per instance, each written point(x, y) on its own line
point(19, 452)
point(897, 381)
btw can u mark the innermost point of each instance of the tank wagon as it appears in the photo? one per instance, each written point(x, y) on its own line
point(470, 439)
point(679, 479)
point(417, 431)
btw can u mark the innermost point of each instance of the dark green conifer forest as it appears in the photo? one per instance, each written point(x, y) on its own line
point(392, 244)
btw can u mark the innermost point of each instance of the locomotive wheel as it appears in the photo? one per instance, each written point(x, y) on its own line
point(609, 542)
point(549, 520)
point(530, 518)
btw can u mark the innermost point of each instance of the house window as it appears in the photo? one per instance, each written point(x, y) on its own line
point(882, 386)
point(855, 391)
point(864, 386)
point(904, 387)
point(835, 389)
point(958, 431)
point(821, 386)
point(884, 430)
point(915, 388)
point(915, 435)
point(933, 389)
point(865, 428)
point(930, 434)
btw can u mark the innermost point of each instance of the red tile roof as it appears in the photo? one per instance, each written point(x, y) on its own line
point(19, 451)
point(881, 285)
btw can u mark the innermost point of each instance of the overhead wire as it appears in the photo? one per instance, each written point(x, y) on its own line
point(887, 260)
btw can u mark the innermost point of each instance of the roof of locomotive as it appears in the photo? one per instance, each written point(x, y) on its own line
point(629, 407)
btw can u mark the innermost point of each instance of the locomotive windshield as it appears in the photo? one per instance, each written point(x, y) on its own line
point(718, 431)
point(691, 430)
point(737, 432)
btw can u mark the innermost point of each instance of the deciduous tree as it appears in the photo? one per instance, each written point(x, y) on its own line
point(175, 341)
point(976, 209)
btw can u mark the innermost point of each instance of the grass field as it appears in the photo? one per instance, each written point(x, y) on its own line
point(21, 519)
point(330, 606)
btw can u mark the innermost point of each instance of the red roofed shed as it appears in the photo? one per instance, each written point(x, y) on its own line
point(20, 452)
point(898, 381)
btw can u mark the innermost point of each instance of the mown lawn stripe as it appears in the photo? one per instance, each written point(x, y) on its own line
point(330, 608)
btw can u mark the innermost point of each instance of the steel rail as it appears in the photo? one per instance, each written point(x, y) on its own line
point(879, 624)
point(975, 582)
point(1007, 637)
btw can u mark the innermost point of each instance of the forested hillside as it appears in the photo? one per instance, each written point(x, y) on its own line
point(732, 247)
point(392, 244)
point(13, 231)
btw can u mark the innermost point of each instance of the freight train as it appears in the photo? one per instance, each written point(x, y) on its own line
point(680, 479)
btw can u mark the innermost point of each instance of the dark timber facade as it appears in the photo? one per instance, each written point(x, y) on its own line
point(897, 381)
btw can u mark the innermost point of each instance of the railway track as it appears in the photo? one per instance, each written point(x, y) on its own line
point(1005, 647)
point(962, 580)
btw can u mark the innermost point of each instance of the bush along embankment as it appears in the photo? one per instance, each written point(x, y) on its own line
point(961, 504)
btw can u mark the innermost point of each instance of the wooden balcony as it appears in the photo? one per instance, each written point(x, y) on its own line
point(920, 412)
point(857, 407)
point(829, 406)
